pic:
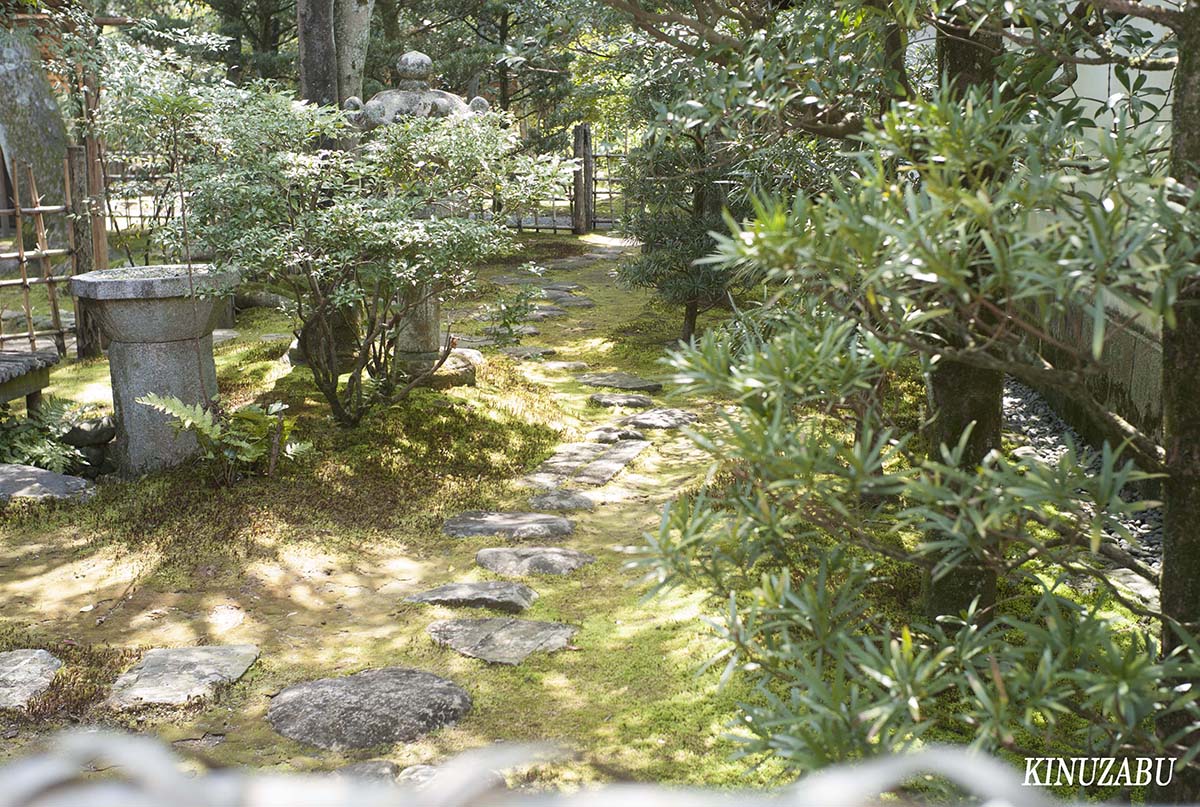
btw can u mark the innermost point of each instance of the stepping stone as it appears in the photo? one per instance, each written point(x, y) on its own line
point(38, 484)
point(614, 434)
point(541, 312)
point(569, 458)
point(469, 341)
point(174, 676)
point(660, 419)
point(501, 640)
point(564, 366)
point(514, 525)
point(420, 777)
point(620, 381)
point(519, 280)
point(611, 463)
point(630, 399)
point(520, 561)
point(371, 770)
point(576, 302)
point(25, 674)
point(389, 705)
point(224, 335)
point(561, 500)
point(520, 330)
point(497, 594)
point(528, 352)
point(562, 286)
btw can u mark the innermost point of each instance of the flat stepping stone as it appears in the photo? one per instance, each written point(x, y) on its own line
point(25, 674)
point(576, 302)
point(501, 640)
point(614, 434)
point(519, 280)
point(520, 561)
point(659, 419)
point(620, 381)
point(38, 484)
point(224, 335)
point(174, 676)
point(562, 286)
point(611, 463)
point(520, 330)
point(420, 777)
point(541, 312)
point(375, 707)
point(528, 352)
point(467, 340)
point(564, 366)
point(561, 500)
point(498, 594)
point(630, 399)
point(514, 525)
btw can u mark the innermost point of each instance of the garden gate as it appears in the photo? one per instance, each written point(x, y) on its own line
point(593, 198)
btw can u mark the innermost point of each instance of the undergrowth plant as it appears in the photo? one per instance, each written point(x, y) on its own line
point(36, 439)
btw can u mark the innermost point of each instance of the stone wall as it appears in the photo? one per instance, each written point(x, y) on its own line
point(1131, 382)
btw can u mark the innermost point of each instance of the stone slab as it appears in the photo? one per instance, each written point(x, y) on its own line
point(28, 482)
point(500, 640)
point(512, 524)
point(520, 330)
point(496, 594)
point(630, 399)
point(371, 770)
point(575, 302)
point(541, 312)
point(564, 366)
point(375, 707)
point(659, 419)
point(25, 674)
point(520, 561)
point(528, 352)
point(174, 676)
point(614, 434)
point(623, 381)
point(611, 463)
point(561, 500)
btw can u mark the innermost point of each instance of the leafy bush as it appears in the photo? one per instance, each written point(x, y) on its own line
point(249, 439)
point(36, 440)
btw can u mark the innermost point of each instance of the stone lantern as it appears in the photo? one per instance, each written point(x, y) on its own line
point(420, 339)
point(159, 320)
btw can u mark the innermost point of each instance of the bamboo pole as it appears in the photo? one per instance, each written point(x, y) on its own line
point(39, 227)
point(20, 239)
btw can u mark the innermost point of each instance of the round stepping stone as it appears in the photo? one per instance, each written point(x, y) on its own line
point(371, 770)
point(659, 419)
point(25, 674)
point(374, 707)
point(174, 676)
point(526, 560)
point(614, 434)
point(620, 381)
point(28, 482)
point(528, 352)
point(514, 525)
point(500, 640)
point(561, 500)
point(630, 399)
point(497, 594)
point(564, 366)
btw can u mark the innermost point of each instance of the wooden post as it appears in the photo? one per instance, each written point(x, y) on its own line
point(43, 243)
point(19, 238)
point(87, 330)
point(96, 190)
point(583, 205)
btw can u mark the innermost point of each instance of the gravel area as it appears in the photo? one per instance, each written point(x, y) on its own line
point(1028, 413)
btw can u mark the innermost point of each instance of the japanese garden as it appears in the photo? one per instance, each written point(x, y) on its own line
point(646, 401)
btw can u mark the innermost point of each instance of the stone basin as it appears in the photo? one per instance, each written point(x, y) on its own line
point(159, 322)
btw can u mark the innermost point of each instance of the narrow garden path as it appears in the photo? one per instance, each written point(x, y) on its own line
point(337, 643)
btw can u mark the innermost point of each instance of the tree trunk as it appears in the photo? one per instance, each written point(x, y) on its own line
point(690, 314)
point(351, 34)
point(1181, 404)
point(318, 53)
point(960, 396)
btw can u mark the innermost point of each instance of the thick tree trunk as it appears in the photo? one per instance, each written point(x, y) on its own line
point(1181, 404)
point(961, 396)
point(351, 34)
point(318, 53)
